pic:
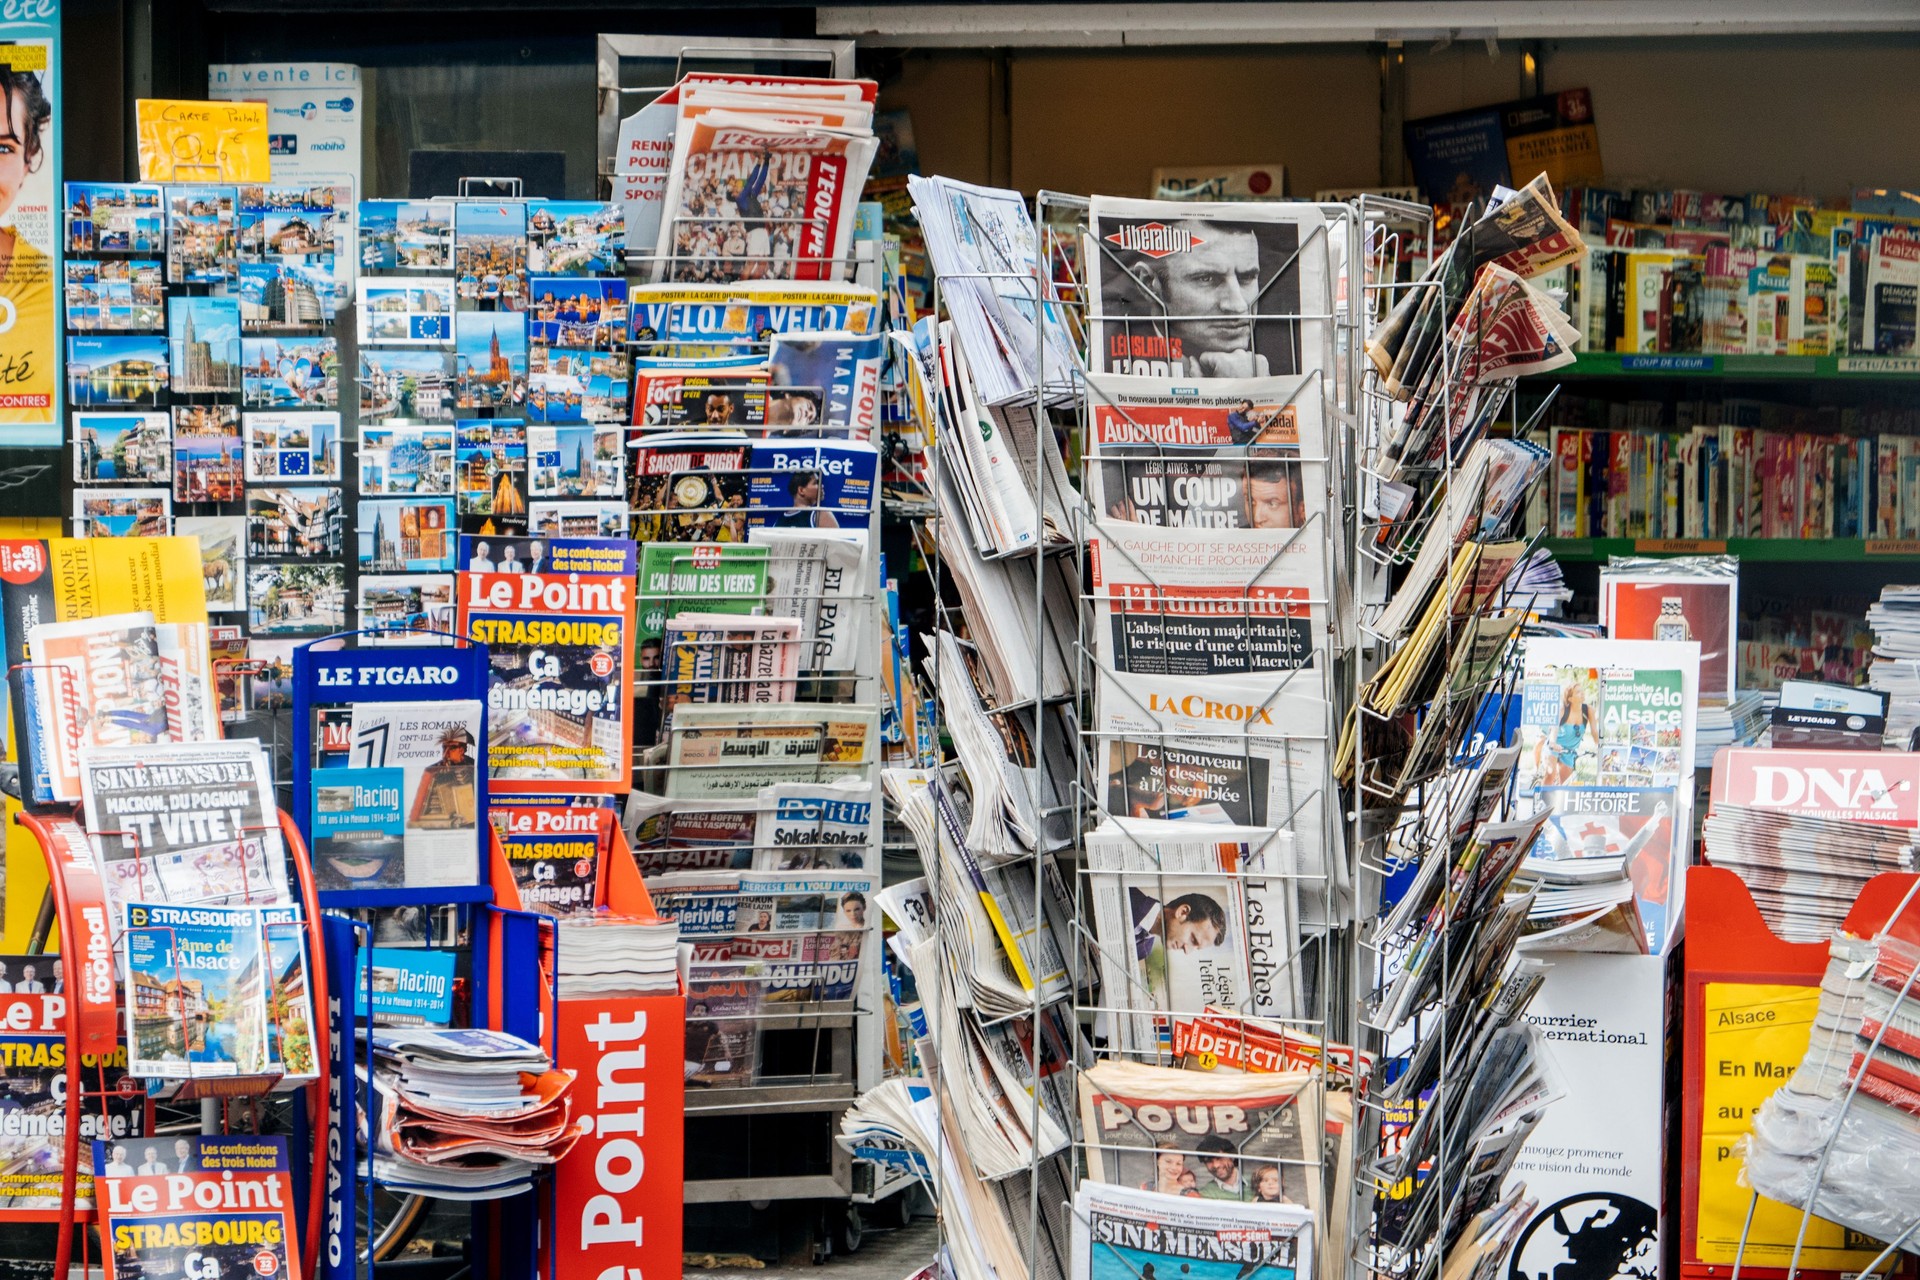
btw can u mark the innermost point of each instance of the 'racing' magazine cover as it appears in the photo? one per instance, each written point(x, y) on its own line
point(559, 638)
point(1124, 1234)
point(197, 1206)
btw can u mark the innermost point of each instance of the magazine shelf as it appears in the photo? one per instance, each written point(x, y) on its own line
point(782, 1026)
point(1749, 550)
point(1861, 368)
point(74, 888)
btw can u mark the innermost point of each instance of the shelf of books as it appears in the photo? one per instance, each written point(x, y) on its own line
point(1734, 366)
point(1747, 550)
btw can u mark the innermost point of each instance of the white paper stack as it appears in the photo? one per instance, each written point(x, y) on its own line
point(1895, 619)
point(982, 245)
point(605, 954)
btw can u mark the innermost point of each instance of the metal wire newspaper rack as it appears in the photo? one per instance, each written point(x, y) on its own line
point(1133, 1018)
point(1277, 640)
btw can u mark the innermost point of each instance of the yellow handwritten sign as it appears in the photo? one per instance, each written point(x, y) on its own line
point(1755, 1035)
point(202, 141)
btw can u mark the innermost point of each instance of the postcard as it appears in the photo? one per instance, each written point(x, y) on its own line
point(123, 295)
point(579, 386)
point(223, 541)
point(575, 237)
point(406, 535)
point(401, 607)
point(406, 235)
point(293, 523)
point(200, 234)
point(577, 519)
point(122, 448)
point(271, 687)
point(584, 314)
point(490, 252)
point(296, 226)
point(402, 383)
point(490, 359)
point(292, 446)
point(295, 599)
point(289, 373)
point(209, 457)
point(121, 513)
point(582, 461)
point(115, 217)
point(288, 295)
point(406, 459)
point(406, 310)
point(116, 371)
point(490, 467)
point(203, 343)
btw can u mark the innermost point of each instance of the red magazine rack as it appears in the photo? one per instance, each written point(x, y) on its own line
point(617, 1193)
point(93, 1016)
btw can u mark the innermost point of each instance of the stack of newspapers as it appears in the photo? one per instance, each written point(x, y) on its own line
point(984, 250)
point(465, 1114)
point(1805, 830)
point(602, 954)
point(1841, 1136)
point(1895, 619)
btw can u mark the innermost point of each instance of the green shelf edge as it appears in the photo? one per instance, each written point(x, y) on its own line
point(1753, 550)
point(1615, 364)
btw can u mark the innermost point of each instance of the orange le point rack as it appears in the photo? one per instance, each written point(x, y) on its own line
point(93, 1018)
point(617, 1194)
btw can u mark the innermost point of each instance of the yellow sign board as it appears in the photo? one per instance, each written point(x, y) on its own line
point(1755, 1035)
point(202, 141)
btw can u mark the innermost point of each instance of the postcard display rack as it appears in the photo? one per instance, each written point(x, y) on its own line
point(93, 1025)
point(208, 328)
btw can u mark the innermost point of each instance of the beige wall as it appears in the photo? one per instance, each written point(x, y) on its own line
point(1812, 116)
point(1809, 115)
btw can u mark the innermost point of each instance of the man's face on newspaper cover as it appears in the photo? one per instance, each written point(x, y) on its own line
point(1214, 287)
point(1189, 931)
